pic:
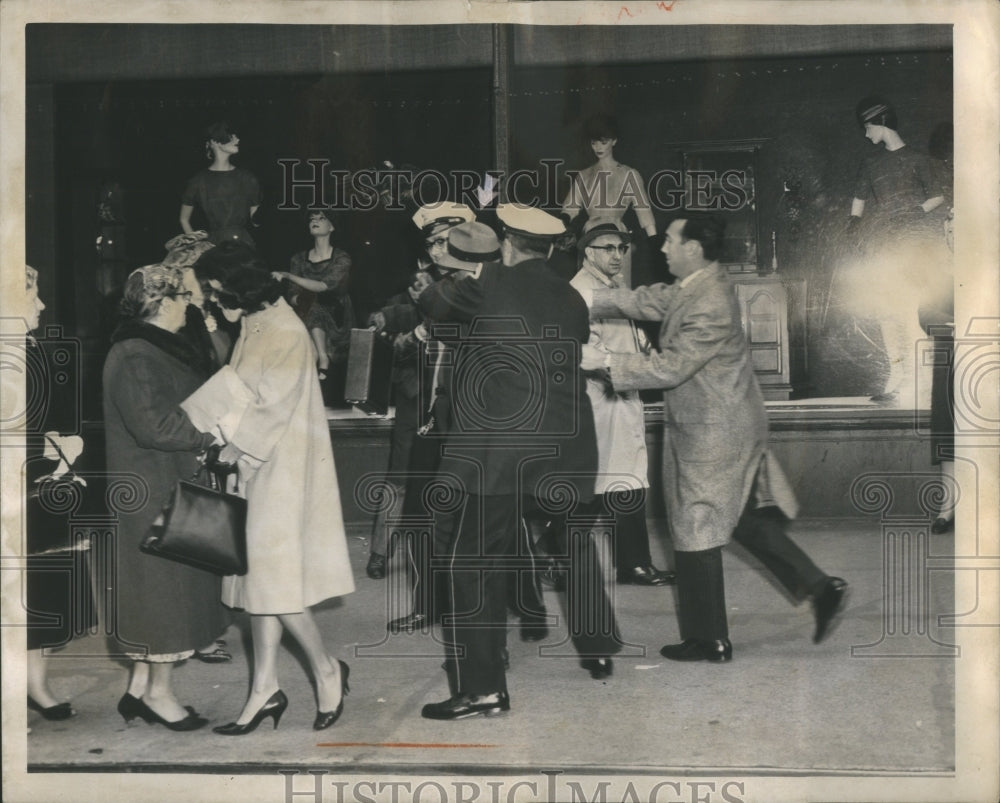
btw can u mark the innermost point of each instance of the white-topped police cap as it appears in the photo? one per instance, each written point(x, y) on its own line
point(436, 217)
point(529, 221)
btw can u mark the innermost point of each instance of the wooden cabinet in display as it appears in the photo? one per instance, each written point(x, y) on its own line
point(773, 335)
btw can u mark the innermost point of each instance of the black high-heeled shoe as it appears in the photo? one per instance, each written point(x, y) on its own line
point(324, 719)
point(191, 722)
point(274, 708)
point(130, 707)
point(54, 713)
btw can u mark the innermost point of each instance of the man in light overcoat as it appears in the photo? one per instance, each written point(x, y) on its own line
point(619, 417)
point(720, 480)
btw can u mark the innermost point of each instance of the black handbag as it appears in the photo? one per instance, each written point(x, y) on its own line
point(201, 526)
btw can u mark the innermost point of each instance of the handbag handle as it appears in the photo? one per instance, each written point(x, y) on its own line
point(216, 472)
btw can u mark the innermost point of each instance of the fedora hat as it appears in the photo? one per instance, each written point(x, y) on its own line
point(470, 245)
point(602, 224)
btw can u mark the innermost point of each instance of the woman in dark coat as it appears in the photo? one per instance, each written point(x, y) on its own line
point(165, 609)
point(58, 589)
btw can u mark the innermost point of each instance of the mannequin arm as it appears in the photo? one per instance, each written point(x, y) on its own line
point(185, 218)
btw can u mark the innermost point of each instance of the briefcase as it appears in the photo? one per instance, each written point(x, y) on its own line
point(369, 372)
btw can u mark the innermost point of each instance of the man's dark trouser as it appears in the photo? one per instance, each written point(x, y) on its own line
point(701, 590)
point(585, 544)
point(423, 553)
point(404, 437)
point(476, 627)
point(483, 554)
point(631, 539)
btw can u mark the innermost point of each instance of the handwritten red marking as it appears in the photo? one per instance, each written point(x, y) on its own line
point(405, 744)
point(666, 6)
point(624, 10)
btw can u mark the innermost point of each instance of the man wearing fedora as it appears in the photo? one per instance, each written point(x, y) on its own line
point(720, 479)
point(622, 475)
point(521, 429)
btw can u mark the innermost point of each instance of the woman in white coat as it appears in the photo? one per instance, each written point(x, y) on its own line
point(296, 547)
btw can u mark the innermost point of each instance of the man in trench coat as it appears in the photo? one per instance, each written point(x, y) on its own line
point(720, 480)
point(619, 419)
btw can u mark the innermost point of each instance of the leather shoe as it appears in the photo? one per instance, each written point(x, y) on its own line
point(599, 668)
point(215, 656)
point(376, 566)
point(54, 713)
point(646, 576)
point(533, 628)
point(942, 525)
point(462, 706)
point(718, 651)
point(827, 603)
point(408, 623)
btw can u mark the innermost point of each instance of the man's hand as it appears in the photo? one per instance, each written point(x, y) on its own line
point(421, 281)
point(377, 321)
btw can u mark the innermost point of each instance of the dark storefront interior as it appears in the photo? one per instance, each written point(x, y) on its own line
point(112, 117)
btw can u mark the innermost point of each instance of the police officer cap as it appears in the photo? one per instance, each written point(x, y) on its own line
point(529, 221)
point(438, 217)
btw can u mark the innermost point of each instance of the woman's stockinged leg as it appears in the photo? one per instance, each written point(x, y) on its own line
point(38, 684)
point(266, 632)
point(139, 679)
point(159, 695)
point(325, 669)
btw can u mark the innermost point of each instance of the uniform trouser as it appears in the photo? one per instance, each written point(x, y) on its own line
point(484, 554)
point(428, 550)
point(701, 591)
point(485, 533)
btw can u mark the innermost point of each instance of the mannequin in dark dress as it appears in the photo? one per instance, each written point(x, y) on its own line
point(228, 196)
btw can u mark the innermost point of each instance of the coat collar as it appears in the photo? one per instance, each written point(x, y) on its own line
point(694, 282)
point(604, 279)
point(699, 275)
point(173, 344)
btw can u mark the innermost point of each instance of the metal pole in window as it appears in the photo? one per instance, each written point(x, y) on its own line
point(503, 45)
